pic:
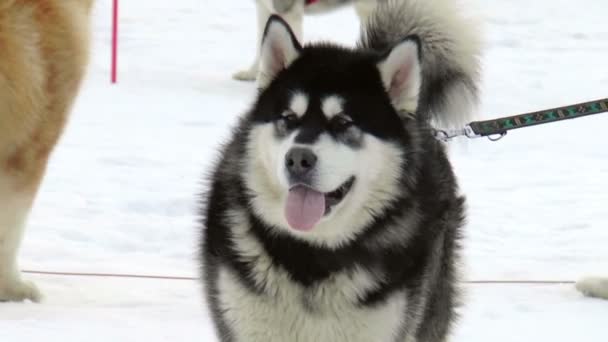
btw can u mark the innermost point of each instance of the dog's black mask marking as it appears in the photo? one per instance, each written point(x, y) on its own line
point(325, 70)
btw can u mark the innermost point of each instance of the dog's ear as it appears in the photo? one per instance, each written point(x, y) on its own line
point(401, 74)
point(280, 48)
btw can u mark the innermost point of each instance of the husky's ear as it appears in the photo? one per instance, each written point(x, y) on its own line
point(280, 48)
point(402, 74)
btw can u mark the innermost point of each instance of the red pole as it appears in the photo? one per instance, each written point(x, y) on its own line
point(114, 41)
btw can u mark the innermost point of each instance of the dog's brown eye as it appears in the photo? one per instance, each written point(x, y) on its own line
point(289, 116)
point(342, 121)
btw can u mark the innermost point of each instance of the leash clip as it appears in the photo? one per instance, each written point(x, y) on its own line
point(446, 135)
point(497, 136)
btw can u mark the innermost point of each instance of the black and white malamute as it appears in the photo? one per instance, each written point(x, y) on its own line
point(333, 214)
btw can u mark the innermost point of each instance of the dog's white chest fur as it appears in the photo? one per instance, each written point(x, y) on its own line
point(298, 315)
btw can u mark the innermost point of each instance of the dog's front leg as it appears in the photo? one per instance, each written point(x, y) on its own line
point(250, 74)
point(593, 287)
point(15, 207)
point(293, 16)
point(364, 9)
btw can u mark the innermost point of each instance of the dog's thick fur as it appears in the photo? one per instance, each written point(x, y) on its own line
point(333, 213)
point(43, 54)
point(596, 287)
point(292, 11)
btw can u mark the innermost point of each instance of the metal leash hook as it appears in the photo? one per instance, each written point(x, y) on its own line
point(496, 129)
point(497, 137)
point(446, 135)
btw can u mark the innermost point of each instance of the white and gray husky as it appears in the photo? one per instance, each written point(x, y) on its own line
point(333, 214)
point(292, 11)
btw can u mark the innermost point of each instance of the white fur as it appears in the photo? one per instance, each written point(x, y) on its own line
point(13, 213)
point(332, 105)
point(376, 166)
point(364, 8)
point(294, 17)
point(286, 316)
point(402, 76)
point(594, 287)
point(299, 103)
point(287, 311)
point(451, 37)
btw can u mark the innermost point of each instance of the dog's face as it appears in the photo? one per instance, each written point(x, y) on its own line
point(326, 151)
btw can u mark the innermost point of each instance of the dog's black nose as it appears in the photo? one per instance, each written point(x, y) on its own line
point(299, 161)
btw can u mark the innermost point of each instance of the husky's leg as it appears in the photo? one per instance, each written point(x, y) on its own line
point(364, 9)
point(593, 287)
point(282, 6)
point(13, 214)
point(263, 13)
point(294, 17)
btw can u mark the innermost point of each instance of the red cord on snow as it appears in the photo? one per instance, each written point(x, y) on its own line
point(114, 72)
point(174, 277)
point(110, 275)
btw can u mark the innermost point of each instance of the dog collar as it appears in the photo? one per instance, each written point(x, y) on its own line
point(310, 2)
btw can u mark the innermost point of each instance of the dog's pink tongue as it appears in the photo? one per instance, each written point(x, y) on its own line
point(304, 207)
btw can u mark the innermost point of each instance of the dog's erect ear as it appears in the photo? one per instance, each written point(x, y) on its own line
point(280, 48)
point(402, 74)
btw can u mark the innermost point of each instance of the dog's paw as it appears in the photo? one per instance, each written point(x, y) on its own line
point(18, 291)
point(245, 75)
point(593, 287)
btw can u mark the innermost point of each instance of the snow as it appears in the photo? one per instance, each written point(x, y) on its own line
point(121, 191)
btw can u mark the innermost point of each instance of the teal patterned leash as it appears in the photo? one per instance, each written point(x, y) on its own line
point(497, 128)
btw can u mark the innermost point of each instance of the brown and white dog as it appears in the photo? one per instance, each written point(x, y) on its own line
point(292, 11)
point(43, 56)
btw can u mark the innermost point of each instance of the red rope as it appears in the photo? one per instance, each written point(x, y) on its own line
point(525, 282)
point(114, 75)
point(110, 275)
point(145, 276)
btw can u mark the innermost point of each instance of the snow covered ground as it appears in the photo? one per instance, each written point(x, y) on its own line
point(120, 195)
